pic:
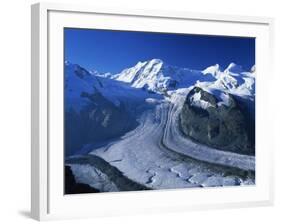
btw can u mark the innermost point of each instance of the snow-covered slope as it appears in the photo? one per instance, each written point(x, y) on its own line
point(97, 108)
point(78, 82)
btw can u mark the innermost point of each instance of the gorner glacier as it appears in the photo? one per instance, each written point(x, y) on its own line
point(158, 126)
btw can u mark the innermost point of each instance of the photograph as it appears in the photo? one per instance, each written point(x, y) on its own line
point(157, 111)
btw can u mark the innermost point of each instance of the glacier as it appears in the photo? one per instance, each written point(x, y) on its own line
point(154, 153)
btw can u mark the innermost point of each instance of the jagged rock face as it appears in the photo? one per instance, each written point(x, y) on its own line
point(226, 127)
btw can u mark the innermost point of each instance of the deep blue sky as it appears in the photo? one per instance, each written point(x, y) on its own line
point(112, 51)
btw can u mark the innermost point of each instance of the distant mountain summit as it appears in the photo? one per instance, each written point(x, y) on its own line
point(157, 76)
point(234, 80)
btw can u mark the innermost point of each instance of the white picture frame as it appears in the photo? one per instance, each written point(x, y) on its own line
point(48, 201)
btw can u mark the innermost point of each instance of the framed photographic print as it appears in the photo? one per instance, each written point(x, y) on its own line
point(138, 111)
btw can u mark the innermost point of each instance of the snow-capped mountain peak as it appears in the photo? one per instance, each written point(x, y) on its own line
point(234, 79)
point(231, 65)
point(253, 69)
point(234, 68)
point(213, 70)
point(142, 74)
point(157, 76)
point(155, 61)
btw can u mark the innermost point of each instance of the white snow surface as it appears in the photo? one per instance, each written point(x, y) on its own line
point(198, 102)
point(233, 80)
point(213, 70)
point(157, 76)
point(79, 80)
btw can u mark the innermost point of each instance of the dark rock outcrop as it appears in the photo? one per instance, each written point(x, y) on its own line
point(229, 128)
point(72, 187)
point(122, 182)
